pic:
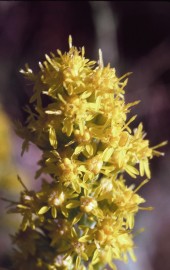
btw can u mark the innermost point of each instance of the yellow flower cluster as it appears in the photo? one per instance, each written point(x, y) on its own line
point(83, 218)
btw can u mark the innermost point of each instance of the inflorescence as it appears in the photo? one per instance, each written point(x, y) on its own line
point(84, 216)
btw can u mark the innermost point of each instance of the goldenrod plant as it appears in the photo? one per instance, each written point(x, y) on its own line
point(83, 216)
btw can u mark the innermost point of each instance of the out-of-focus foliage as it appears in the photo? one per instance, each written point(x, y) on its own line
point(8, 172)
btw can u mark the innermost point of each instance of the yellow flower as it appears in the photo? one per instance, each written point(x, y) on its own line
point(54, 198)
point(86, 213)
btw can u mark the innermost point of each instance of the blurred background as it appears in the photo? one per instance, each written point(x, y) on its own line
point(134, 37)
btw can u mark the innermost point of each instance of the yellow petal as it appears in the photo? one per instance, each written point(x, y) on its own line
point(53, 211)
point(43, 210)
point(52, 137)
point(107, 154)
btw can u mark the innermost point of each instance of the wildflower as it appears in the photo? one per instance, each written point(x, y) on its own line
point(84, 217)
point(54, 198)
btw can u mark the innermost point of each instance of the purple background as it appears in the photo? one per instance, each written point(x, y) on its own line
point(133, 36)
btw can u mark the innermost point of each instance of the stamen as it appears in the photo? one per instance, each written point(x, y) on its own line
point(101, 65)
point(70, 41)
